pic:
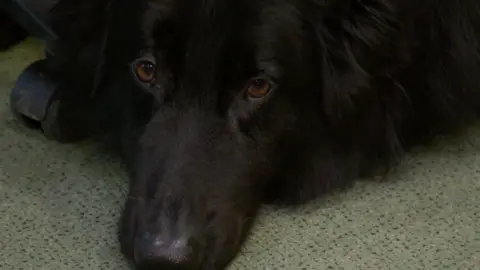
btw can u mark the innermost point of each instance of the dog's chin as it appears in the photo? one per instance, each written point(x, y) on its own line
point(172, 233)
point(212, 249)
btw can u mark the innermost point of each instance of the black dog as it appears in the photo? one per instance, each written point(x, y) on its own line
point(220, 105)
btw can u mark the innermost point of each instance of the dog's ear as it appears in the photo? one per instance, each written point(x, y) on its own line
point(356, 40)
point(157, 10)
point(81, 27)
point(79, 20)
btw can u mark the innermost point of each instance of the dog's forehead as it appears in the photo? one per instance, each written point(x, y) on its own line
point(264, 30)
point(190, 10)
point(193, 14)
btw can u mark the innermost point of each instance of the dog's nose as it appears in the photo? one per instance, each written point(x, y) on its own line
point(154, 252)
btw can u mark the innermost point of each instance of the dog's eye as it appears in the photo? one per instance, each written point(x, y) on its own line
point(145, 71)
point(258, 88)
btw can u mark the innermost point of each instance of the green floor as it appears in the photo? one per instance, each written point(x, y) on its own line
point(59, 205)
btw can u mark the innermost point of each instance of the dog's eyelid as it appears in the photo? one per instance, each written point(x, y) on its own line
point(265, 75)
point(148, 57)
point(270, 67)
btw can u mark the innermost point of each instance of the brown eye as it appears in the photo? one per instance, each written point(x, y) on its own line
point(258, 88)
point(145, 71)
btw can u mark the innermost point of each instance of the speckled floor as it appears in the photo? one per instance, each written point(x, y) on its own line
point(59, 205)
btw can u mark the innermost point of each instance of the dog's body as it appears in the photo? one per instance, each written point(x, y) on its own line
point(234, 103)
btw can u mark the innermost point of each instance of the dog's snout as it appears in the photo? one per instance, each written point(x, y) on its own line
point(154, 251)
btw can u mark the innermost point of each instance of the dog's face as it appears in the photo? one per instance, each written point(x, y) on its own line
point(232, 83)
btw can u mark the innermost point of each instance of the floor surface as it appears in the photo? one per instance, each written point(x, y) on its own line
point(59, 205)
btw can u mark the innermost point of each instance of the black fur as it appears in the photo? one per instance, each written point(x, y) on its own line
point(11, 33)
point(355, 85)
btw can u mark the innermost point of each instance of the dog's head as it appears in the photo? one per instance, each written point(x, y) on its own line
point(239, 93)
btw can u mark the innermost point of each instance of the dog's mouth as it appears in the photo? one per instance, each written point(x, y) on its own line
point(172, 225)
point(151, 252)
point(164, 250)
point(192, 201)
point(173, 235)
point(165, 236)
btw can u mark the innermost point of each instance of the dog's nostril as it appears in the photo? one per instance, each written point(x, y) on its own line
point(156, 252)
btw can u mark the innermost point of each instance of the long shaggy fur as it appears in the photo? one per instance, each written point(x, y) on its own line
point(356, 84)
